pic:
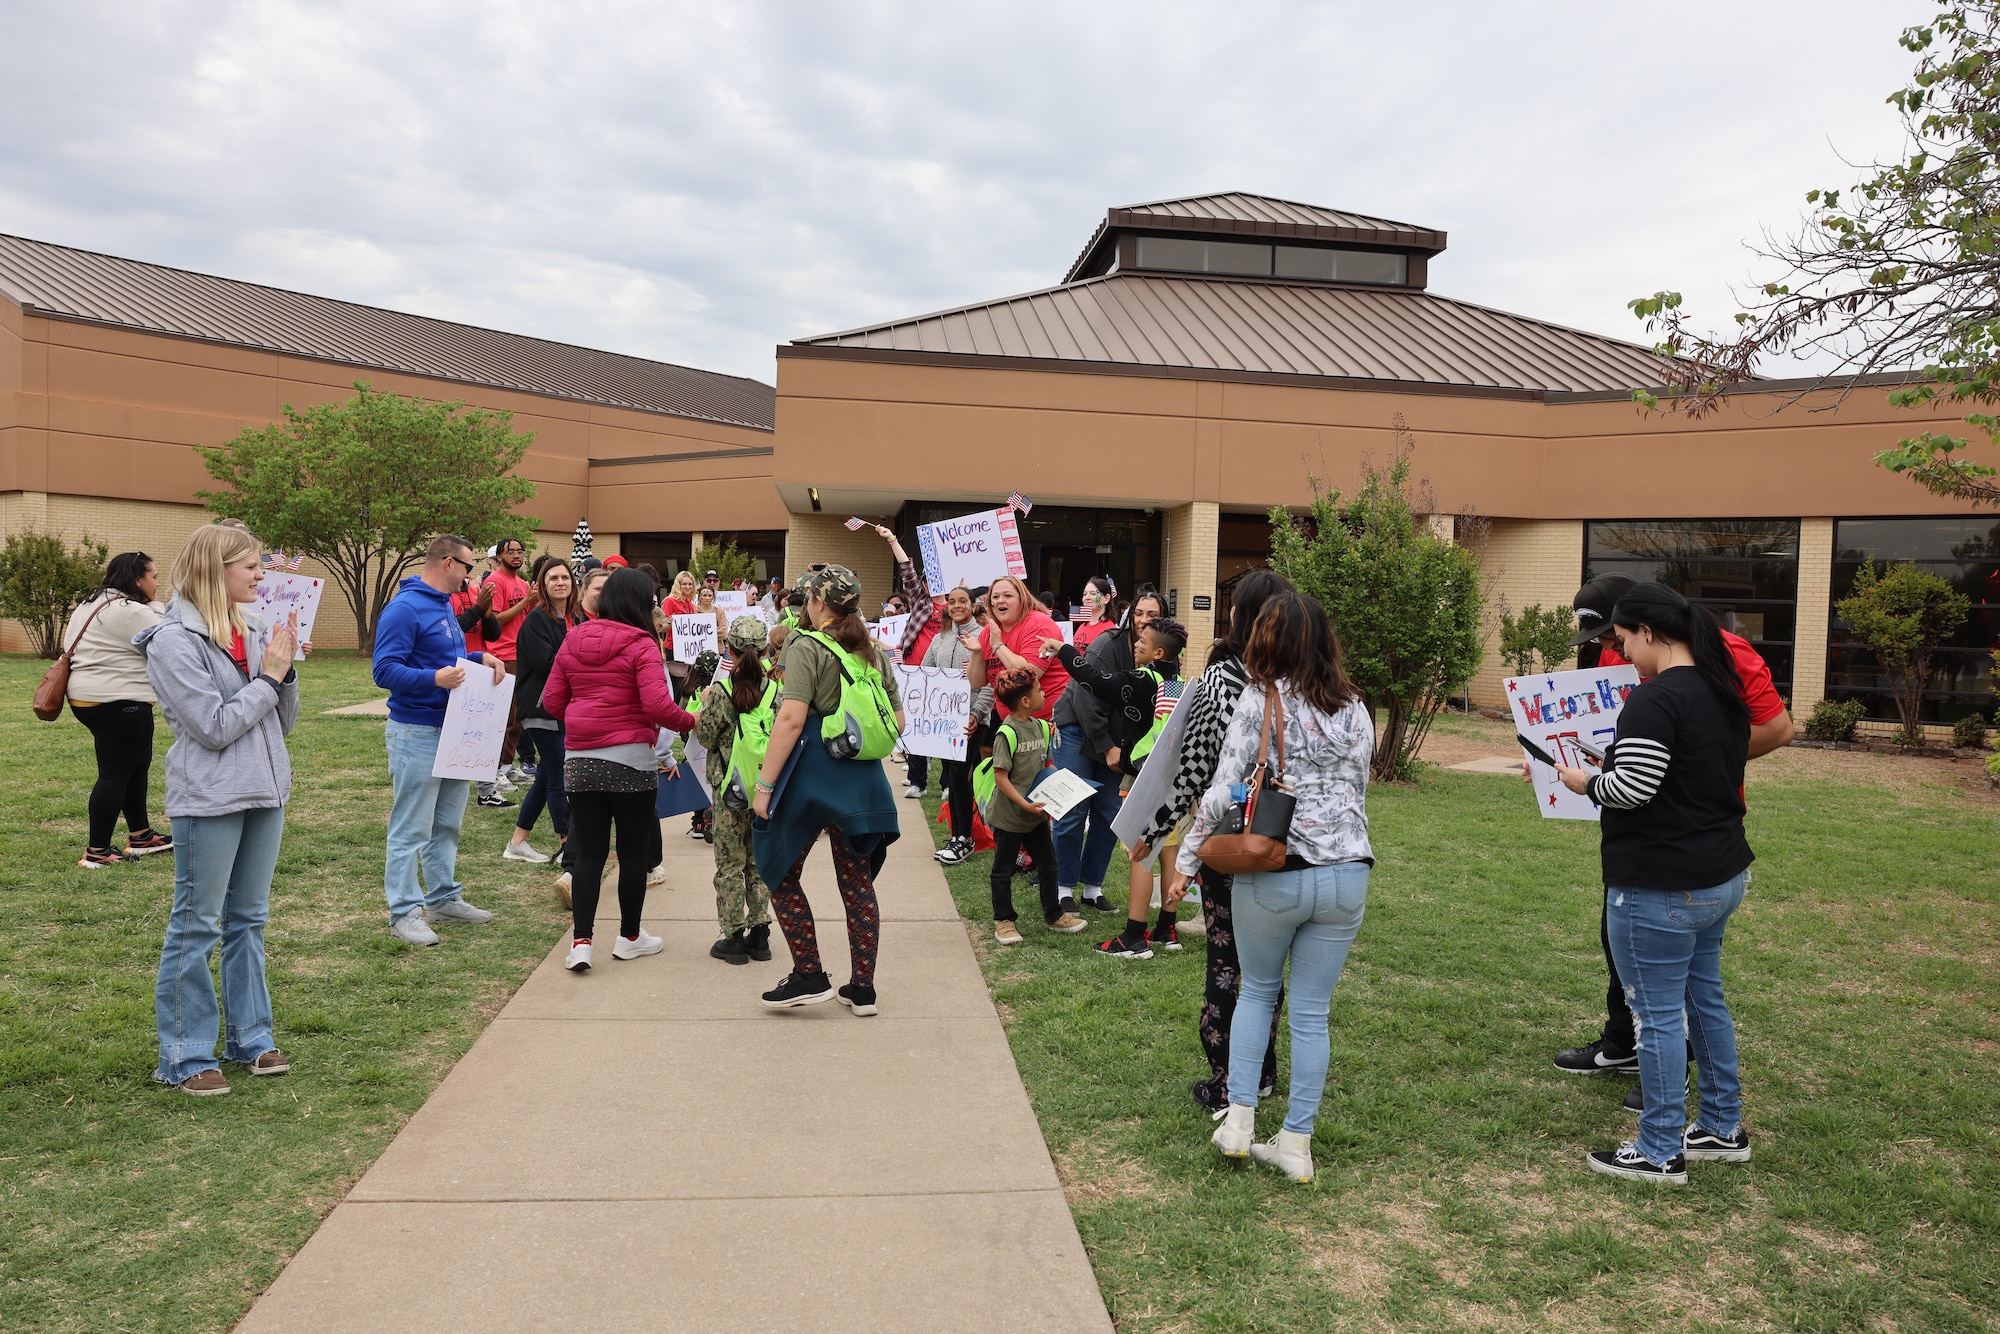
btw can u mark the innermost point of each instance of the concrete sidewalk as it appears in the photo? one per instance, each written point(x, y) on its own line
point(644, 1146)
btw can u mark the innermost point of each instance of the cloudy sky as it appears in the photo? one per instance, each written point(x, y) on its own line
point(698, 182)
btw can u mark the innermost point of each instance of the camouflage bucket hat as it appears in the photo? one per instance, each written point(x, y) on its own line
point(748, 634)
point(705, 663)
point(836, 586)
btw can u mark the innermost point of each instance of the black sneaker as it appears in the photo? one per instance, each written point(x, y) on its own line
point(494, 798)
point(1099, 904)
point(1698, 1145)
point(799, 989)
point(1168, 940)
point(858, 998)
point(1626, 1161)
point(1118, 948)
point(1595, 1059)
point(731, 949)
point(1211, 1095)
point(954, 852)
point(1635, 1098)
point(758, 942)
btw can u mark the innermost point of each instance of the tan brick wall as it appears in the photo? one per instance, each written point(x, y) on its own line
point(824, 537)
point(1814, 614)
point(1524, 562)
point(1193, 540)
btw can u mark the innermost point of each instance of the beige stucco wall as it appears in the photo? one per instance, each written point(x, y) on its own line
point(1815, 613)
point(1189, 571)
point(824, 537)
point(1524, 562)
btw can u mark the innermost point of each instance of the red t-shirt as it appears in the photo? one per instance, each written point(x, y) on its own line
point(475, 641)
point(238, 652)
point(1084, 634)
point(924, 637)
point(1753, 677)
point(1026, 639)
point(508, 589)
point(673, 607)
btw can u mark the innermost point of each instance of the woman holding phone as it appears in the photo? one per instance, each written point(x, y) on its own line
point(1675, 864)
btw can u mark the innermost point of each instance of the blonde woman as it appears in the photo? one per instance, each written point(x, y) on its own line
point(679, 601)
point(230, 694)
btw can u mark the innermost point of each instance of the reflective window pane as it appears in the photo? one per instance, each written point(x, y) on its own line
point(1172, 252)
point(1363, 266)
point(1964, 551)
point(1297, 261)
point(1236, 257)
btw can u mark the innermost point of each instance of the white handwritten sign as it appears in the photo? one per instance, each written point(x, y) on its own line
point(1558, 709)
point(972, 551)
point(694, 634)
point(734, 601)
point(279, 595)
point(888, 632)
point(937, 701)
point(475, 725)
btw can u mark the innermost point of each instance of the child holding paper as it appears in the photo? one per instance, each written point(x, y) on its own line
point(1020, 753)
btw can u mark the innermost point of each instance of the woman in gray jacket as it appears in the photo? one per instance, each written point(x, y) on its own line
point(230, 694)
point(950, 651)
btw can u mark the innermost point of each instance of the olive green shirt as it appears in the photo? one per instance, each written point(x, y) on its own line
point(812, 672)
point(1022, 765)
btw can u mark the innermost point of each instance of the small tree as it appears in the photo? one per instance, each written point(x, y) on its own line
point(726, 561)
point(42, 580)
point(1902, 615)
point(1538, 641)
point(363, 485)
point(1404, 601)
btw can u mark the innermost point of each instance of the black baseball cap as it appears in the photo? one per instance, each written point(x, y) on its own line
point(713, 574)
point(1593, 603)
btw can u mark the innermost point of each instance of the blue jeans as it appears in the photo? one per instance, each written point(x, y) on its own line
point(547, 788)
point(424, 818)
point(1313, 916)
point(222, 893)
point(1668, 948)
point(1080, 860)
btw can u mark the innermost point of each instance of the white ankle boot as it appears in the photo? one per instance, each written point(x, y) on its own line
point(1288, 1151)
point(1237, 1132)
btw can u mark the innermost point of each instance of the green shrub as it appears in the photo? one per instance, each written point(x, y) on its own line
point(1835, 720)
point(41, 581)
point(1969, 732)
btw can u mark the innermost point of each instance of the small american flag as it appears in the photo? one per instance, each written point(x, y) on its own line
point(276, 561)
point(1020, 502)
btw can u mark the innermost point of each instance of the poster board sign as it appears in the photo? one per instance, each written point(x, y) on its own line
point(734, 601)
point(1155, 782)
point(1059, 792)
point(972, 550)
point(888, 632)
point(937, 703)
point(475, 725)
point(279, 595)
point(694, 634)
point(1555, 711)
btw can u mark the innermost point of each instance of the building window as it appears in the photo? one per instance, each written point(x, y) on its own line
point(1745, 571)
point(1963, 551)
point(1183, 255)
point(1064, 546)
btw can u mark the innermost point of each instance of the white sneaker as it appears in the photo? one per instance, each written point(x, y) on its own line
point(647, 943)
point(913, 792)
point(458, 910)
point(411, 929)
point(579, 958)
point(517, 777)
point(1288, 1151)
point(657, 876)
point(523, 852)
point(1237, 1132)
point(502, 786)
point(562, 890)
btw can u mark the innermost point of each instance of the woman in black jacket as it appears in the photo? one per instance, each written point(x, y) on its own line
point(542, 633)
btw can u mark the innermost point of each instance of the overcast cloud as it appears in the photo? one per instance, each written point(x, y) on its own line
point(699, 182)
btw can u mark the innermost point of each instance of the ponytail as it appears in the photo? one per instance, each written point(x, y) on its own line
point(1672, 616)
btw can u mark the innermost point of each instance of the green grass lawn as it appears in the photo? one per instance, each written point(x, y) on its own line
point(1451, 1189)
point(124, 1205)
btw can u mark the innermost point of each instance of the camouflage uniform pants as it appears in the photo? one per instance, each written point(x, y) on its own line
point(741, 898)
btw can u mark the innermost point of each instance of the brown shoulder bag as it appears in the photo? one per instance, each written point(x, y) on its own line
point(54, 689)
point(1253, 834)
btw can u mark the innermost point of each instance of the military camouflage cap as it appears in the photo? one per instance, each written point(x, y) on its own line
point(705, 663)
point(836, 586)
point(748, 634)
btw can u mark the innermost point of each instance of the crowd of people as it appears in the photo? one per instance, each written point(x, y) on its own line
point(789, 720)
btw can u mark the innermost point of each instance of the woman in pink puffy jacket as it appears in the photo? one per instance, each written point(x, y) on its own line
point(610, 692)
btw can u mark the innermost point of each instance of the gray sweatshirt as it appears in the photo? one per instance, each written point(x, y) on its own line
point(229, 731)
point(947, 654)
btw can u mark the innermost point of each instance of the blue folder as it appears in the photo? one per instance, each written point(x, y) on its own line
point(680, 795)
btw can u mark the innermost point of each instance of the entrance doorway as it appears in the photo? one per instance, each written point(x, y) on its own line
point(1064, 571)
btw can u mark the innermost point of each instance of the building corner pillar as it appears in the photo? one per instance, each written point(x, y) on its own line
point(1193, 551)
point(1814, 616)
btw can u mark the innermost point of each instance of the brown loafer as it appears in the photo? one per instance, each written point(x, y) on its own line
point(207, 1084)
point(272, 1062)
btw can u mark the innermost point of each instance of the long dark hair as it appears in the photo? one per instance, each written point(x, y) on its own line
point(746, 681)
point(1671, 616)
point(123, 574)
point(1293, 642)
point(627, 596)
point(1257, 588)
point(1114, 606)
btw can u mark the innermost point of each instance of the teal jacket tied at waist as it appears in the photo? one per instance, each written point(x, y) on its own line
point(852, 796)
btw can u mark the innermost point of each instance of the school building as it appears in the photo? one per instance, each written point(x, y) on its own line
point(1198, 363)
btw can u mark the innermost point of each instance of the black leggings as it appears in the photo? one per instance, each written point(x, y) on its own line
point(592, 816)
point(958, 795)
point(123, 733)
point(1225, 981)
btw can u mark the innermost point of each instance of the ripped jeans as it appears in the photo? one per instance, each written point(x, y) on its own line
point(1668, 947)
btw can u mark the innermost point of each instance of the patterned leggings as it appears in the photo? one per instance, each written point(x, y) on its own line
point(1225, 979)
point(864, 915)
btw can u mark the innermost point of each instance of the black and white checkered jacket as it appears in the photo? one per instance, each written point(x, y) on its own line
point(1211, 704)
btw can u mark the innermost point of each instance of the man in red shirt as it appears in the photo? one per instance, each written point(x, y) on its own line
point(1616, 1048)
point(511, 599)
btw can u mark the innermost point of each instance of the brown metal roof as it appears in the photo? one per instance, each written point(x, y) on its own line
point(1236, 213)
point(1393, 335)
point(81, 285)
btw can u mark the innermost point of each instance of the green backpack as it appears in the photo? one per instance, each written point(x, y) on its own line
point(862, 725)
point(747, 751)
point(984, 785)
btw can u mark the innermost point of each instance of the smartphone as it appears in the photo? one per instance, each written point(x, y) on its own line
point(1595, 752)
point(1535, 750)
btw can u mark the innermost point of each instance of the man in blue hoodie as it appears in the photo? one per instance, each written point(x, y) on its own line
point(418, 643)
